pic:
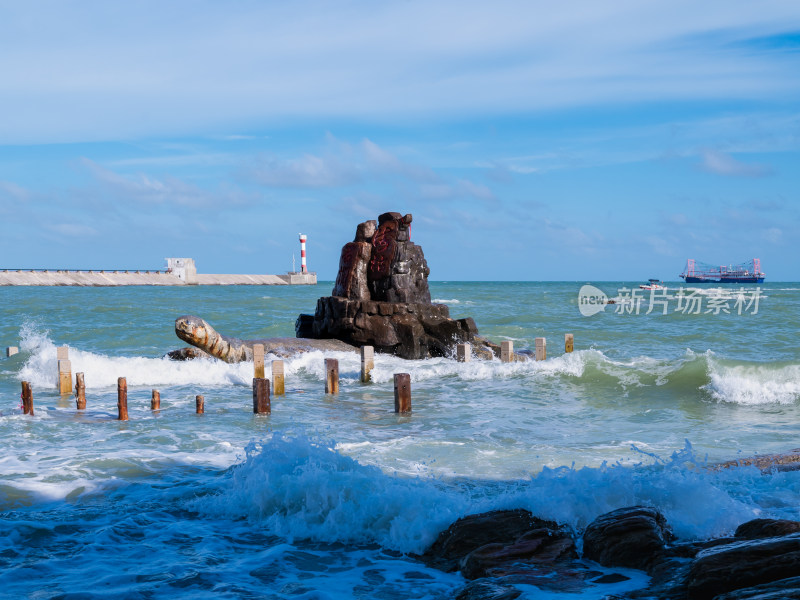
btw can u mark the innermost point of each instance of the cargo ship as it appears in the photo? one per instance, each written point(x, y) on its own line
point(746, 272)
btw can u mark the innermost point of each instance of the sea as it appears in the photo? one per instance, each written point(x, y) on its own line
point(332, 496)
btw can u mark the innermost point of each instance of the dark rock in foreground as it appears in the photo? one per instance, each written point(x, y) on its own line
point(743, 564)
point(629, 537)
point(499, 549)
point(474, 531)
point(765, 528)
point(783, 589)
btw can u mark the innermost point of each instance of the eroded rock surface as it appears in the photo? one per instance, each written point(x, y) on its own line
point(381, 298)
point(743, 564)
point(202, 335)
point(629, 537)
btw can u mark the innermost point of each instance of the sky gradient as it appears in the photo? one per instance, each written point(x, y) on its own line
point(586, 141)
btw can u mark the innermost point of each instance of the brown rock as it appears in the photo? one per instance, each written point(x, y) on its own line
point(631, 537)
point(765, 528)
point(742, 565)
point(470, 533)
point(487, 590)
point(538, 547)
point(351, 280)
point(783, 589)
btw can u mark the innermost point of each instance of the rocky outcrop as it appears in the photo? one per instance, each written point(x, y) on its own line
point(631, 537)
point(742, 565)
point(786, 461)
point(766, 528)
point(499, 549)
point(783, 589)
point(200, 334)
point(381, 298)
point(470, 533)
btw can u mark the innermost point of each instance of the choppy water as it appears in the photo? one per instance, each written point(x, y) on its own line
point(327, 496)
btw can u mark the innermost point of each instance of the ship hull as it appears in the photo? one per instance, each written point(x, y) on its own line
point(724, 279)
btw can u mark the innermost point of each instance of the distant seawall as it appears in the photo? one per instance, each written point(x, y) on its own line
point(120, 278)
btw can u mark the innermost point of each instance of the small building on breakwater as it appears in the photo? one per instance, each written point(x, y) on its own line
point(179, 272)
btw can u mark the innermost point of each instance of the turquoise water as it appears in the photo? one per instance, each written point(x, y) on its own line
point(327, 496)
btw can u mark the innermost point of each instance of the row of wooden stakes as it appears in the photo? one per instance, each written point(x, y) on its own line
point(261, 385)
point(261, 390)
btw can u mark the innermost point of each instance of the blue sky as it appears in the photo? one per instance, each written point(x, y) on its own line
point(585, 141)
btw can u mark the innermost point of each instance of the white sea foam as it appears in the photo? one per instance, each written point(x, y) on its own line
point(101, 371)
point(754, 384)
point(446, 301)
point(300, 488)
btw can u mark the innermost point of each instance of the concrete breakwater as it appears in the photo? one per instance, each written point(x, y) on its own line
point(95, 278)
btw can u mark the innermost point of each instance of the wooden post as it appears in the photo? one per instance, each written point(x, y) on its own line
point(199, 402)
point(507, 351)
point(11, 351)
point(464, 352)
point(568, 342)
point(402, 393)
point(541, 348)
point(258, 361)
point(367, 363)
point(278, 383)
point(64, 370)
point(331, 376)
point(64, 377)
point(27, 399)
point(155, 400)
point(261, 404)
point(122, 399)
point(80, 392)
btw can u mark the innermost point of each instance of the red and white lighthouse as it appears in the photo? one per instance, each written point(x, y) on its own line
point(303, 268)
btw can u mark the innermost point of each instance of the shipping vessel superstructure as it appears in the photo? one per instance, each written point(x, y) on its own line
point(746, 272)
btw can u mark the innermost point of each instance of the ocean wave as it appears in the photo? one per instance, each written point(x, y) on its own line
point(301, 488)
point(754, 383)
point(445, 301)
point(738, 382)
point(101, 371)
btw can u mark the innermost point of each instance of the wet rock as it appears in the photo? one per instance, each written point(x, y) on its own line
point(539, 547)
point(783, 589)
point(381, 297)
point(487, 590)
point(202, 335)
point(743, 564)
point(611, 578)
point(633, 537)
point(351, 280)
point(474, 531)
point(786, 461)
point(765, 528)
point(188, 353)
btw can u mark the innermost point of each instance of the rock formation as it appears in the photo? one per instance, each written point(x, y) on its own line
point(200, 334)
point(381, 298)
point(498, 550)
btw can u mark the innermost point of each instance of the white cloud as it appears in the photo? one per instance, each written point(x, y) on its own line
point(773, 234)
point(721, 163)
point(72, 229)
point(460, 189)
point(340, 164)
point(13, 192)
point(143, 188)
point(95, 76)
